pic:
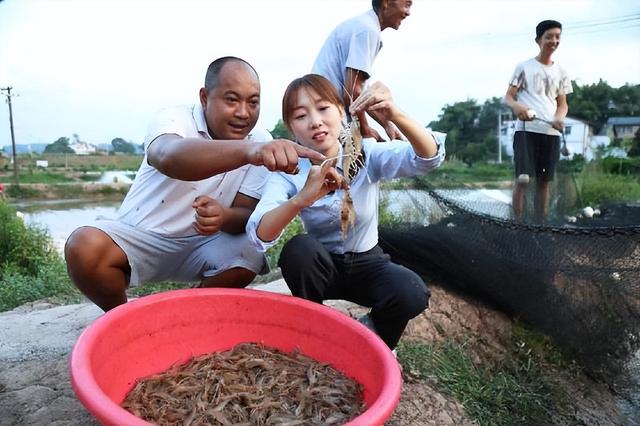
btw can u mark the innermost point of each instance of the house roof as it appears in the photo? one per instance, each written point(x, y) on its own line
point(571, 120)
point(624, 121)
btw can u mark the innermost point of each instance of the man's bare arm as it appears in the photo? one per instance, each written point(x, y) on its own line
point(241, 209)
point(198, 158)
point(561, 113)
point(354, 85)
point(520, 110)
point(355, 79)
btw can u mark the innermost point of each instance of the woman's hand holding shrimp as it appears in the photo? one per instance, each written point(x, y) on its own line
point(322, 180)
point(376, 98)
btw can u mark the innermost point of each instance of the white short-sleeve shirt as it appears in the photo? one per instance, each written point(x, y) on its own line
point(539, 86)
point(352, 44)
point(160, 204)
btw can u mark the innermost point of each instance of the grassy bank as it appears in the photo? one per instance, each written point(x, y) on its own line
point(66, 176)
point(71, 176)
point(524, 386)
point(27, 164)
point(30, 267)
point(62, 191)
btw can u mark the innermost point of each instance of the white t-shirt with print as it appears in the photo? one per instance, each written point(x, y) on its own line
point(352, 44)
point(539, 86)
point(160, 204)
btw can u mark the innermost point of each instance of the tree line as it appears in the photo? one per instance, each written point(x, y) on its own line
point(62, 146)
point(471, 127)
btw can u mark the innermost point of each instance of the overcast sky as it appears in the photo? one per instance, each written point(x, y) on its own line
point(101, 68)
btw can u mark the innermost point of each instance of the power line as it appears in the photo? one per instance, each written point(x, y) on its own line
point(617, 23)
point(570, 27)
point(603, 20)
point(598, 30)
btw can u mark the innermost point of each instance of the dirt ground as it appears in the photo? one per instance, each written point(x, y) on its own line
point(38, 391)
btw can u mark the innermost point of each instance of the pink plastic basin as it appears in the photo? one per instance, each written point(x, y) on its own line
point(149, 335)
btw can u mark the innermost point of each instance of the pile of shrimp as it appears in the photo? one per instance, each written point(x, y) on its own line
point(247, 385)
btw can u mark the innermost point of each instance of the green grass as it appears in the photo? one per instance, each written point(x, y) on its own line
point(456, 174)
point(522, 388)
point(597, 188)
point(43, 177)
point(30, 267)
point(67, 191)
point(70, 162)
point(503, 394)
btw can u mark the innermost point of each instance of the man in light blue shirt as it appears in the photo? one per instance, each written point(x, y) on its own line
point(347, 56)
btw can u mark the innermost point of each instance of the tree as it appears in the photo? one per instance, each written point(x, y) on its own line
point(60, 146)
point(634, 151)
point(595, 103)
point(120, 145)
point(471, 129)
point(458, 121)
point(473, 153)
point(280, 131)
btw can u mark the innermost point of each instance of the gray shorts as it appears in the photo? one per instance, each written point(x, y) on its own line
point(155, 258)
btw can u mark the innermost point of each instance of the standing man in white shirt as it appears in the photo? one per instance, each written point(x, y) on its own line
point(537, 95)
point(347, 57)
point(184, 217)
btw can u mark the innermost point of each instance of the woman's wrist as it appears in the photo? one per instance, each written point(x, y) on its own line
point(298, 203)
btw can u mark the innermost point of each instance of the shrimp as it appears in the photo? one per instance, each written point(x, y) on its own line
point(347, 213)
point(352, 148)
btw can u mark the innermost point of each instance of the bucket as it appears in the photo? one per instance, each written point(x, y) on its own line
point(149, 335)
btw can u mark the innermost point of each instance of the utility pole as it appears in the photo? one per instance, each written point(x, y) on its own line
point(13, 140)
point(499, 133)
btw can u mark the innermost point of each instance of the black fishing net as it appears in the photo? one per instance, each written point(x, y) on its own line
point(576, 279)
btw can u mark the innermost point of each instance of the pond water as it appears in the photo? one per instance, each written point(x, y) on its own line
point(61, 217)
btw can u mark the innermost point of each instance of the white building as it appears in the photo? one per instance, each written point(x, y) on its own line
point(578, 134)
point(82, 148)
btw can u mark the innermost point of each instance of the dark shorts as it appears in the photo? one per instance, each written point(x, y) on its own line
point(536, 154)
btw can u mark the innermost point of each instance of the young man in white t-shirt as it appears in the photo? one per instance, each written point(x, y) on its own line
point(346, 58)
point(184, 217)
point(537, 95)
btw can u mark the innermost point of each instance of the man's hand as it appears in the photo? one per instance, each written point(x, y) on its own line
point(281, 155)
point(393, 132)
point(209, 215)
point(370, 132)
point(522, 112)
point(558, 124)
point(376, 100)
